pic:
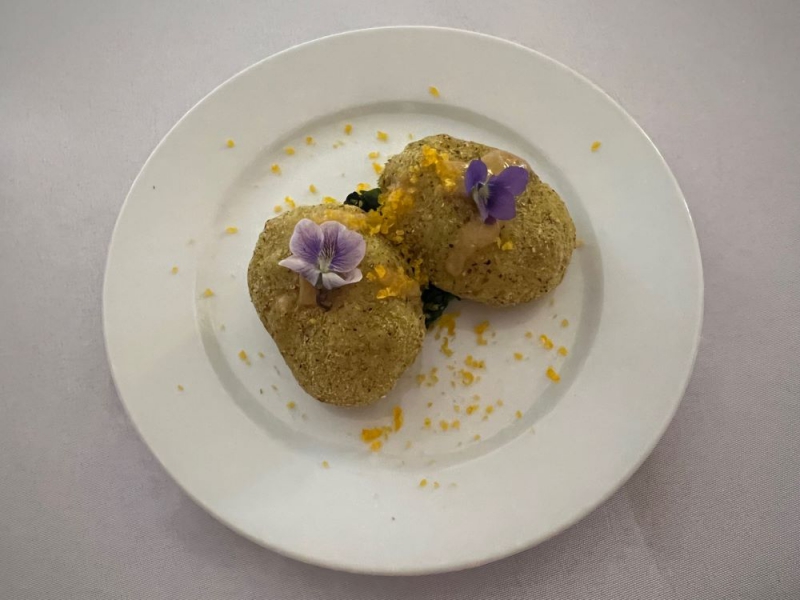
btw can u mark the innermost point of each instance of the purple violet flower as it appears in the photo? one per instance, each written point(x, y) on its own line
point(326, 255)
point(495, 195)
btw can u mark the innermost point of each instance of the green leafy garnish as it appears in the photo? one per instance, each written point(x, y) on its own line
point(434, 300)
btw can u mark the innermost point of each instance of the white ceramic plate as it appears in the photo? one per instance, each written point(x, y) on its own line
point(632, 296)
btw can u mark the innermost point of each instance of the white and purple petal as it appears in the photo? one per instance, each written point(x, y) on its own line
point(306, 241)
point(348, 247)
point(308, 271)
point(476, 173)
point(331, 281)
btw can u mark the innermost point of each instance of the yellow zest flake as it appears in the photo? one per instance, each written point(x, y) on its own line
point(208, 293)
point(427, 423)
point(579, 243)
point(420, 378)
point(289, 150)
point(499, 403)
point(546, 342)
point(562, 351)
point(180, 388)
point(472, 408)
point(377, 167)
point(423, 482)
point(433, 379)
point(374, 154)
point(445, 347)
point(325, 464)
point(509, 245)
point(564, 323)
point(489, 409)
point(433, 91)
point(474, 364)
point(231, 230)
point(278, 208)
point(476, 437)
point(596, 146)
point(291, 405)
point(448, 321)
point(467, 378)
point(309, 140)
point(174, 270)
point(529, 334)
point(444, 425)
point(330, 200)
point(275, 168)
point(480, 329)
point(436, 485)
point(376, 445)
point(261, 354)
point(518, 414)
point(312, 188)
point(374, 433)
point(397, 418)
point(348, 129)
point(441, 163)
point(551, 373)
point(456, 424)
point(230, 143)
point(290, 202)
point(382, 136)
point(362, 187)
point(518, 356)
point(243, 357)
point(430, 404)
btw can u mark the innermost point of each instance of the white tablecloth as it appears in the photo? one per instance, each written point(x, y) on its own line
point(86, 91)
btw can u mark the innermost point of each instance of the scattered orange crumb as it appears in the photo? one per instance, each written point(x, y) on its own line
point(362, 187)
point(499, 403)
point(529, 334)
point(565, 323)
point(231, 230)
point(174, 270)
point(489, 409)
point(377, 167)
point(455, 424)
point(467, 378)
point(278, 208)
point(374, 154)
point(427, 422)
point(312, 188)
point(291, 405)
point(397, 418)
point(420, 378)
point(473, 363)
point(596, 146)
point(289, 150)
point(433, 91)
point(243, 357)
point(579, 243)
point(518, 414)
point(382, 136)
point(376, 445)
point(444, 425)
point(476, 437)
point(275, 168)
point(329, 200)
point(348, 129)
point(457, 408)
point(480, 329)
point(436, 485)
point(325, 464)
point(551, 373)
point(180, 388)
point(261, 354)
point(290, 201)
point(518, 356)
point(309, 140)
point(472, 408)
point(547, 343)
point(430, 404)
point(423, 482)
point(448, 321)
point(562, 351)
point(208, 293)
point(411, 136)
point(368, 435)
point(509, 245)
point(445, 347)
point(230, 143)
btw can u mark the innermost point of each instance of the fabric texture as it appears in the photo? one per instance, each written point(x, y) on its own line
point(87, 89)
